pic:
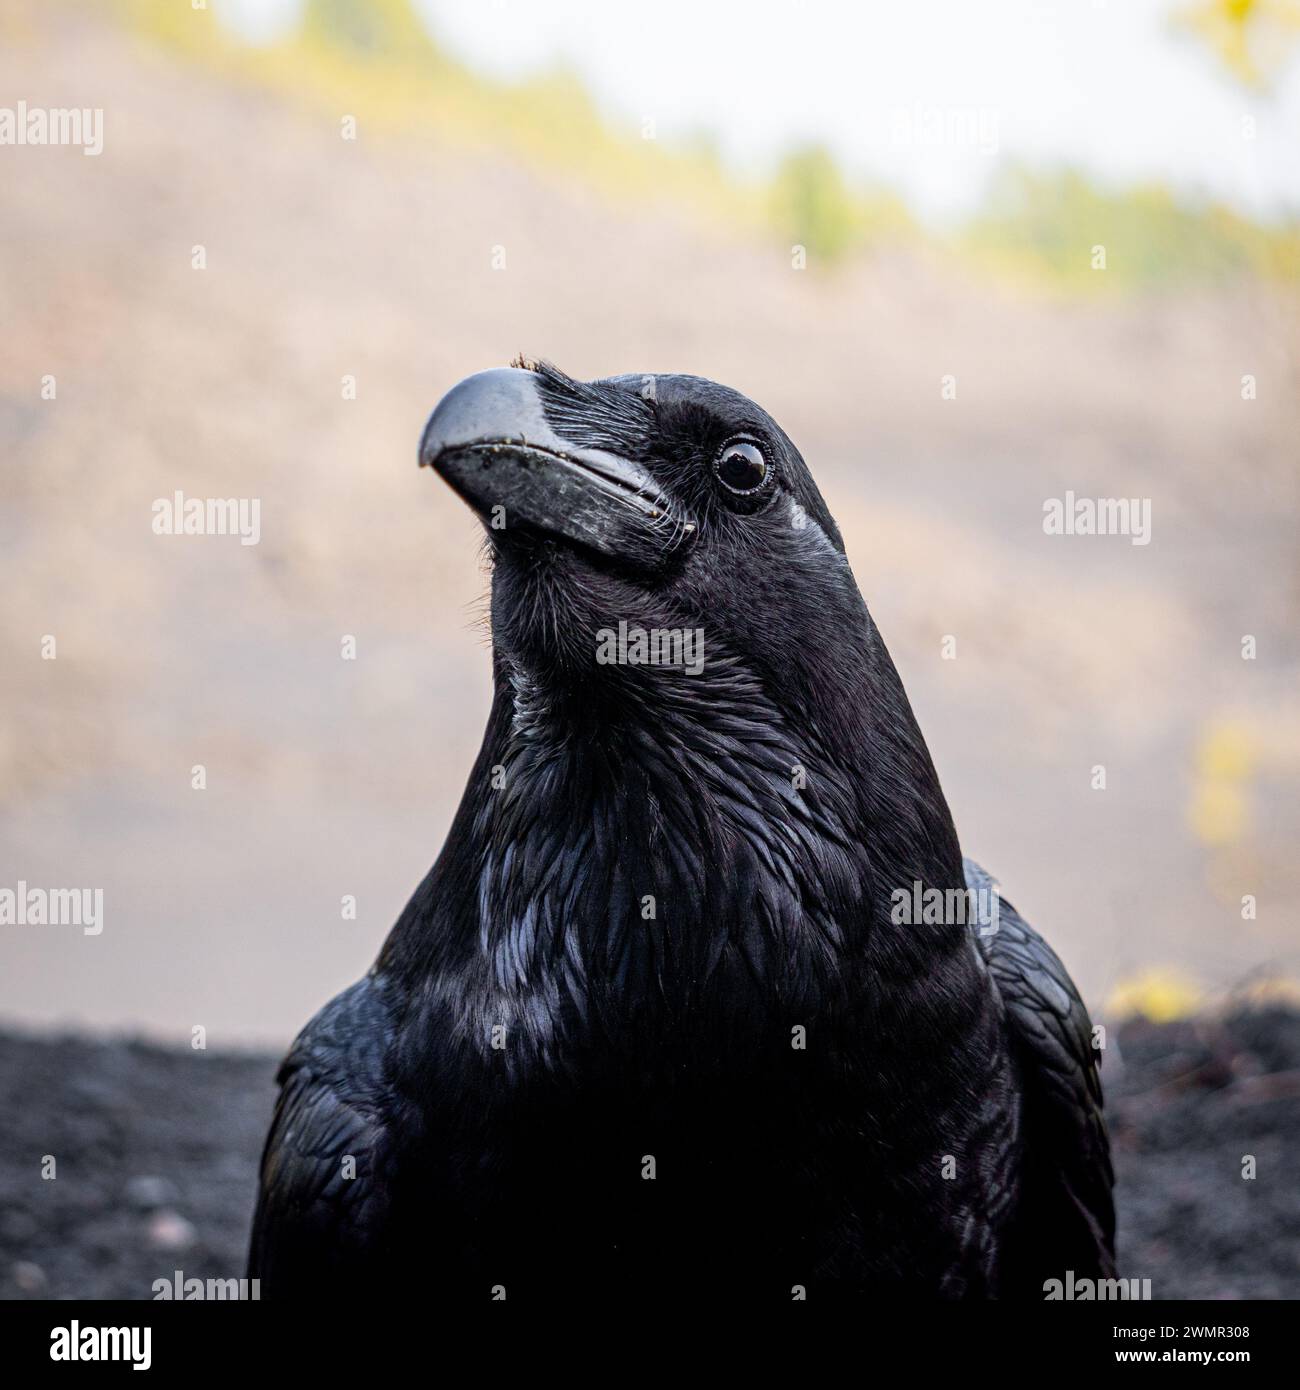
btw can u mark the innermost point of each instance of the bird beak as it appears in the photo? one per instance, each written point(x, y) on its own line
point(490, 439)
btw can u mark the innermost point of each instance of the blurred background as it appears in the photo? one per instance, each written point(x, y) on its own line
point(970, 257)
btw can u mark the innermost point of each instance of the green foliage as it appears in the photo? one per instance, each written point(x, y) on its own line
point(375, 59)
point(1048, 224)
point(812, 206)
point(379, 31)
point(1253, 40)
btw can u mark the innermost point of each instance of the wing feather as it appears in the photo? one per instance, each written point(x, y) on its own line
point(1065, 1217)
point(327, 1165)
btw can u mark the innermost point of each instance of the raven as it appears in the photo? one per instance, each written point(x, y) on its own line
point(671, 1017)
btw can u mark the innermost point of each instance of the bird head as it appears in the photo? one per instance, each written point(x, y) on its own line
point(651, 504)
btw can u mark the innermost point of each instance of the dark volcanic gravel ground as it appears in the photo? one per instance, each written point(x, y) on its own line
point(156, 1152)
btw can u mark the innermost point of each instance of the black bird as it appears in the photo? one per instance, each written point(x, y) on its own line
point(663, 1021)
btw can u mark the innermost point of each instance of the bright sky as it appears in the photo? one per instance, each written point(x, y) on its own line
point(926, 95)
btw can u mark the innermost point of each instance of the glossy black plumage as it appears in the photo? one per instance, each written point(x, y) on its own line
point(767, 1085)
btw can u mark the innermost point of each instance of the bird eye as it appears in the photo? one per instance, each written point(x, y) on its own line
point(741, 466)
